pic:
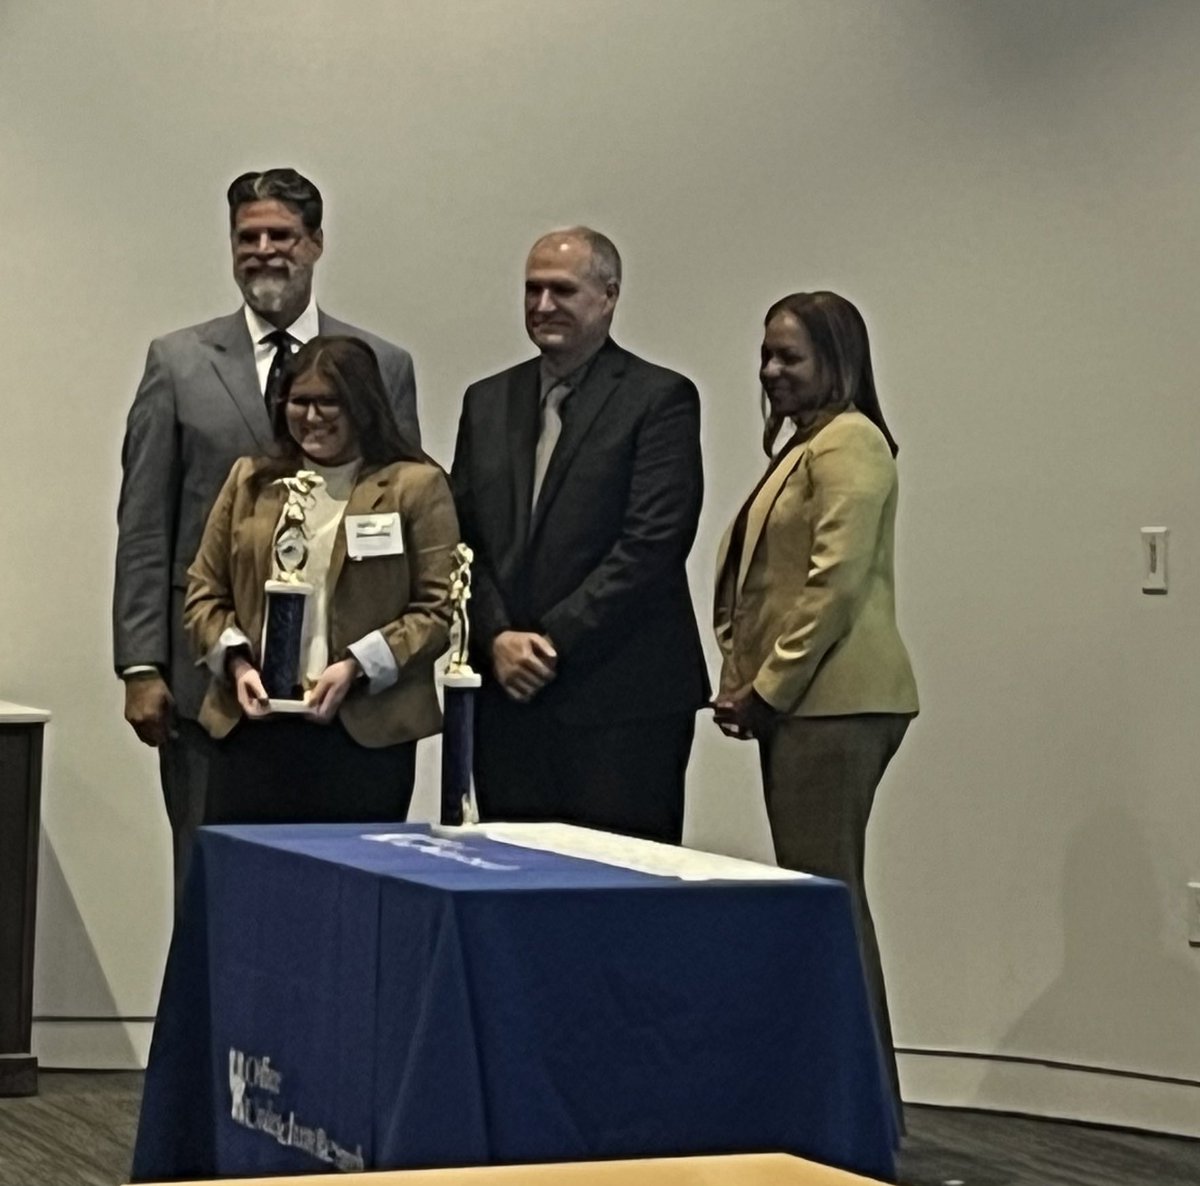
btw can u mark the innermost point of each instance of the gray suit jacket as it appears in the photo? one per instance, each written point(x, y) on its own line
point(198, 408)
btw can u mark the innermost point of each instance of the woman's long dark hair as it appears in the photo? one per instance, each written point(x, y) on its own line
point(351, 368)
point(839, 336)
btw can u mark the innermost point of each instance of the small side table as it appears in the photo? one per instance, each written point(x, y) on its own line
point(20, 810)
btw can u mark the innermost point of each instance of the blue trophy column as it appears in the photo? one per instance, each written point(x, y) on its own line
point(458, 744)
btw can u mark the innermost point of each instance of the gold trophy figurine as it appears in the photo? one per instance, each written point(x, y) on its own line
point(288, 599)
point(459, 663)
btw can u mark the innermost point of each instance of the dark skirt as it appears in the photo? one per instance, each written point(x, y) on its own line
point(286, 770)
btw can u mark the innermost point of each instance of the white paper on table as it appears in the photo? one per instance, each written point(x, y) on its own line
point(626, 852)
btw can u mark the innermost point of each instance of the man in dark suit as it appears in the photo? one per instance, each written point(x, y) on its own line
point(578, 481)
point(203, 402)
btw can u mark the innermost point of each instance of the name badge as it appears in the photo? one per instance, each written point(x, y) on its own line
point(373, 535)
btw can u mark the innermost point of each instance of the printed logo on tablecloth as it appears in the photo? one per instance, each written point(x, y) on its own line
point(254, 1090)
point(438, 846)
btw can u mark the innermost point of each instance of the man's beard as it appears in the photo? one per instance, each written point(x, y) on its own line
point(272, 292)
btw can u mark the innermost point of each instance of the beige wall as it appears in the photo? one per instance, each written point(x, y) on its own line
point(1008, 190)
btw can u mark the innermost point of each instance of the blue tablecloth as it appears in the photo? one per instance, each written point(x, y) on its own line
point(334, 998)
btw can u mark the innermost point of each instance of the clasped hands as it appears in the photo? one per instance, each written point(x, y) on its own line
point(524, 663)
point(324, 698)
point(743, 714)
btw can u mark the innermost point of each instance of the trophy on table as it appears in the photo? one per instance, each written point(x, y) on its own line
point(288, 599)
point(460, 685)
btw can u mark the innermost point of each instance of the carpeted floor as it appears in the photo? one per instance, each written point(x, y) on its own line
point(78, 1131)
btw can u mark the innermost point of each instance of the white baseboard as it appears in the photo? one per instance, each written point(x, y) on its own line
point(1092, 1095)
point(91, 1044)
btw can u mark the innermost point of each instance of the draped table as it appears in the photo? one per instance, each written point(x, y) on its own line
point(386, 997)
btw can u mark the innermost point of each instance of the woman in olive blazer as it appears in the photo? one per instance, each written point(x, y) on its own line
point(381, 617)
point(813, 666)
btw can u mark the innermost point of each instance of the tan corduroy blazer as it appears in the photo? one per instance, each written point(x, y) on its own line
point(406, 597)
point(806, 612)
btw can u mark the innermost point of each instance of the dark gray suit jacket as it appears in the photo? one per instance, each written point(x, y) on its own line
point(599, 566)
point(198, 408)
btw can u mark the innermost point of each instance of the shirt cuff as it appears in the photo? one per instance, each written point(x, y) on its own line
point(231, 637)
point(377, 661)
point(139, 669)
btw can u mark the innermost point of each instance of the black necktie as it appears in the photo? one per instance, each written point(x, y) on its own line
point(282, 341)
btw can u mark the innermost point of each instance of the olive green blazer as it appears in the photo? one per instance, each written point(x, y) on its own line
point(806, 612)
point(406, 597)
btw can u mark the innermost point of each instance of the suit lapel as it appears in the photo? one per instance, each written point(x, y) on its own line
point(583, 406)
point(523, 398)
point(760, 508)
point(366, 497)
point(233, 360)
point(267, 507)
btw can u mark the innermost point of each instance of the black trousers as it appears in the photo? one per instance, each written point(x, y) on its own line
point(626, 777)
point(820, 775)
point(290, 771)
point(183, 766)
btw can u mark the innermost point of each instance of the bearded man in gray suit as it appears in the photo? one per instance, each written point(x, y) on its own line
point(204, 401)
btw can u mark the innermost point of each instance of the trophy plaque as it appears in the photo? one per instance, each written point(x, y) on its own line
point(459, 686)
point(287, 600)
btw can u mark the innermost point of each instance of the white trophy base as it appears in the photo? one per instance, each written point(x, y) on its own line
point(301, 587)
point(289, 706)
point(460, 679)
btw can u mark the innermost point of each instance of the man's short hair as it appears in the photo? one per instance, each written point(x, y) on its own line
point(604, 266)
point(606, 259)
point(281, 185)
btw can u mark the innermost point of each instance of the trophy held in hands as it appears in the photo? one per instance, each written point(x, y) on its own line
point(288, 600)
point(459, 684)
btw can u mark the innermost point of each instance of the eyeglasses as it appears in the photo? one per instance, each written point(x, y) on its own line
point(328, 407)
point(283, 240)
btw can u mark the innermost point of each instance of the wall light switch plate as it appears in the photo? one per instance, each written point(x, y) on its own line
point(1154, 559)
